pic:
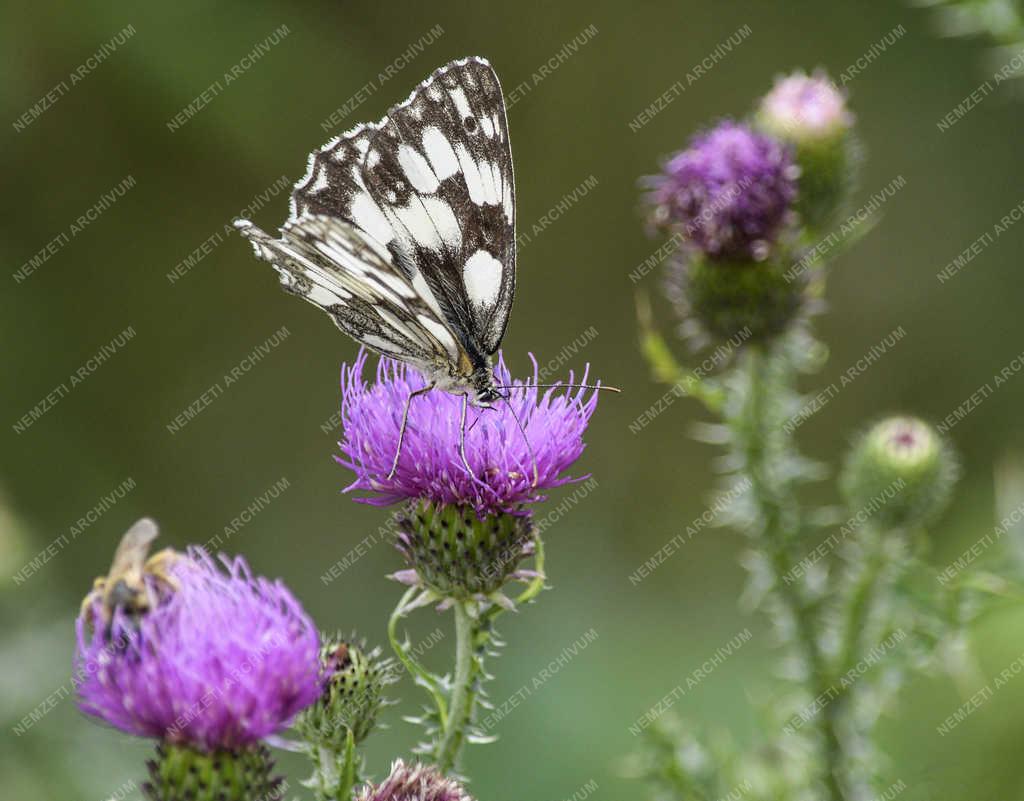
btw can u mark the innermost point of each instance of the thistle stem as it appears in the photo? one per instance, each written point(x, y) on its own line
point(462, 695)
point(336, 774)
point(408, 660)
point(349, 769)
point(777, 535)
point(861, 602)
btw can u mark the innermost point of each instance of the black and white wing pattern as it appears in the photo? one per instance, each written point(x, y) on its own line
point(433, 183)
point(351, 276)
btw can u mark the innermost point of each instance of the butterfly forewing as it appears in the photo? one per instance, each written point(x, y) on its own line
point(439, 167)
point(347, 273)
point(333, 185)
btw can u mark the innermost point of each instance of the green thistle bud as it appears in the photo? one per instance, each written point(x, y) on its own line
point(458, 555)
point(355, 681)
point(809, 113)
point(736, 300)
point(901, 472)
point(179, 773)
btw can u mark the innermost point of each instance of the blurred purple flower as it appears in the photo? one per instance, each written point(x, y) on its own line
point(223, 661)
point(805, 107)
point(430, 465)
point(414, 783)
point(728, 193)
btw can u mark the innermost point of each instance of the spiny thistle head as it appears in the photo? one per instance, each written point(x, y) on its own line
point(810, 113)
point(507, 469)
point(729, 194)
point(355, 678)
point(414, 783)
point(456, 554)
point(901, 471)
point(218, 663)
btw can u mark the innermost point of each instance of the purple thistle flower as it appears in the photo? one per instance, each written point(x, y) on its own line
point(430, 465)
point(805, 108)
point(729, 193)
point(221, 662)
point(414, 783)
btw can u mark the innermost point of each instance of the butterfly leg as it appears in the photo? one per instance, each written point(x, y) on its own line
point(462, 434)
point(405, 422)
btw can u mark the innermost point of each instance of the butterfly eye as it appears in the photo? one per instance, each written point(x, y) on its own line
point(470, 123)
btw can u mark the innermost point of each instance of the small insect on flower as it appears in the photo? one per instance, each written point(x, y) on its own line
point(125, 586)
point(403, 231)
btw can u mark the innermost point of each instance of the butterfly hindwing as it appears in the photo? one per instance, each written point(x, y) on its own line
point(439, 167)
point(351, 276)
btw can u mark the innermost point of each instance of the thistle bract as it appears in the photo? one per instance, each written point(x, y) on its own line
point(741, 301)
point(901, 472)
point(220, 663)
point(728, 194)
point(459, 555)
point(180, 773)
point(509, 467)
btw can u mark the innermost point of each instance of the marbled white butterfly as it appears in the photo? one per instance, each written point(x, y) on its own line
point(403, 231)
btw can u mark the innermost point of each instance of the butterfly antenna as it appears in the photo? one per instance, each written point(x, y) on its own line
point(601, 387)
point(526, 439)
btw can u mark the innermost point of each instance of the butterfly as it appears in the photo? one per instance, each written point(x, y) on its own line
point(403, 231)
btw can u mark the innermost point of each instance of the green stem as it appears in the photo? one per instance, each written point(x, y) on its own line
point(462, 694)
point(855, 632)
point(349, 770)
point(473, 631)
point(426, 678)
point(778, 535)
point(336, 774)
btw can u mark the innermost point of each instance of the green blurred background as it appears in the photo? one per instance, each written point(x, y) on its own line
point(267, 426)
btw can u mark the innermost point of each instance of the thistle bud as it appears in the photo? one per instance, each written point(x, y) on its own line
point(355, 678)
point(900, 473)
point(457, 554)
point(809, 113)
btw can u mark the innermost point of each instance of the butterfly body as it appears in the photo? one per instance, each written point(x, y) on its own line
point(403, 231)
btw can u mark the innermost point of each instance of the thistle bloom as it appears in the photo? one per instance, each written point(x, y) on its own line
point(414, 783)
point(805, 107)
point(729, 193)
point(221, 662)
point(430, 466)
